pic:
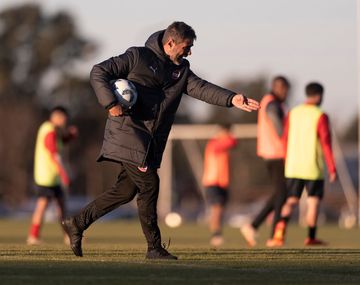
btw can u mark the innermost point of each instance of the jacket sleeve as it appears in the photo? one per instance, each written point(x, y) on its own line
point(114, 68)
point(208, 92)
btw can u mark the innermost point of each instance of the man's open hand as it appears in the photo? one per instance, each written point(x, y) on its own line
point(246, 104)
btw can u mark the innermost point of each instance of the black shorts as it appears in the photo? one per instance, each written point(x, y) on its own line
point(216, 195)
point(314, 188)
point(49, 192)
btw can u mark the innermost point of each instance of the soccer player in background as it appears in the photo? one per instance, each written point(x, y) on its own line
point(216, 180)
point(271, 118)
point(50, 176)
point(307, 138)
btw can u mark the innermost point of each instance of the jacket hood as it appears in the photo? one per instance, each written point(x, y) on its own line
point(154, 43)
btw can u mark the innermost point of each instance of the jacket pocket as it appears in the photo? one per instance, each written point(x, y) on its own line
point(116, 122)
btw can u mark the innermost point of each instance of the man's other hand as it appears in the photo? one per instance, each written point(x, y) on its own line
point(116, 111)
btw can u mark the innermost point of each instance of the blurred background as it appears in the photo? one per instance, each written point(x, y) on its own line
point(47, 49)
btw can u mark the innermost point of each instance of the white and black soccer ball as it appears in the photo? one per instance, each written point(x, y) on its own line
point(173, 220)
point(125, 92)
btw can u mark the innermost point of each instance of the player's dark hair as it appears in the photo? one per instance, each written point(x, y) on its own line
point(313, 89)
point(60, 109)
point(179, 31)
point(283, 79)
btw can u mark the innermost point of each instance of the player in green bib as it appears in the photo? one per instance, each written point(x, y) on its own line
point(50, 175)
point(307, 140)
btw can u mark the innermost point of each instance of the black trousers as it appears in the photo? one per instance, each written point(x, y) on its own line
point(278, 195)
point(130, 181)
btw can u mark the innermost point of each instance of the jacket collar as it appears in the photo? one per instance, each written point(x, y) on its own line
point(154, 43)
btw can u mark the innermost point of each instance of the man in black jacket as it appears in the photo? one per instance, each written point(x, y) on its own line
point(136, 140)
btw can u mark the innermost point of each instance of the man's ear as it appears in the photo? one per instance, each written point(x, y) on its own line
point(171, 42)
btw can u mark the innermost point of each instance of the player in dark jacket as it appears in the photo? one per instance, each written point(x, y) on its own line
point(136, 140)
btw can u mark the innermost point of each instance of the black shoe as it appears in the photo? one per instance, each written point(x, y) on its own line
point(74, 234)
point(159, 253)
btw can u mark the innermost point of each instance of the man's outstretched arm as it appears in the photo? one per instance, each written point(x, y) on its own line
point(216, 95)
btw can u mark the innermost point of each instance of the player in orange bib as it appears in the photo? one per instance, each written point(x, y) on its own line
point(270, 148)
point(216, 179)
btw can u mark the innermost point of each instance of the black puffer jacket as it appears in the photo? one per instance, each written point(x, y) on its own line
point(140, 138)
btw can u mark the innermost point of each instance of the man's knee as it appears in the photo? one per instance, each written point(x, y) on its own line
point(129, 196)
point(123, 193)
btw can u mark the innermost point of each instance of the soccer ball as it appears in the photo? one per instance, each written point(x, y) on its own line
point(173, 220)
point(125, 92)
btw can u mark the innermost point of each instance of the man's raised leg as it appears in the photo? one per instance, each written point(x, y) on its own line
point(121, 193)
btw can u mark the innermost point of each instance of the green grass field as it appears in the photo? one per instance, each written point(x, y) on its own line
point(114, 254)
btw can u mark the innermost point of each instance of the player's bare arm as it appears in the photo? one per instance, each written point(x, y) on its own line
point(332, 177)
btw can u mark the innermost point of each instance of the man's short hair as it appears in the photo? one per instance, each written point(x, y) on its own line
point(60, 109)
point(313, 89)
point(283, 79)
point(179, 31)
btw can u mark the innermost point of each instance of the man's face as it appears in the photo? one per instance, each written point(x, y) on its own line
point(280, 90)
point(177, 52)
